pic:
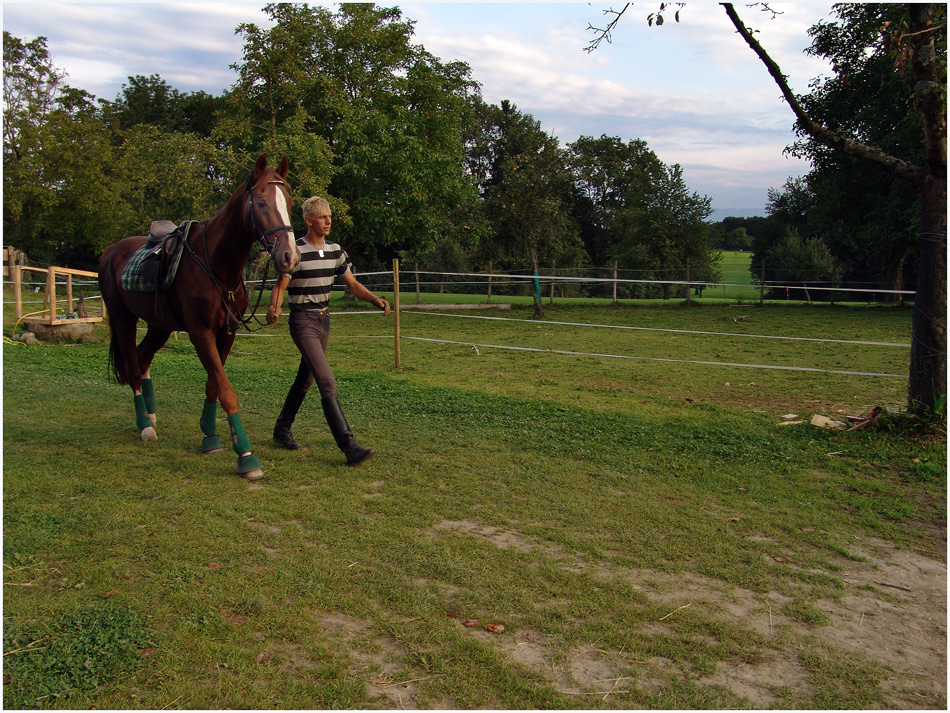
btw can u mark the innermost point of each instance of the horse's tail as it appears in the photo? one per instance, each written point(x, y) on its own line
point(116, 362)
point(107, 287)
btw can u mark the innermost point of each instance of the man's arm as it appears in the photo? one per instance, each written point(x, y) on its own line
point(357, 289)
point(277, 298)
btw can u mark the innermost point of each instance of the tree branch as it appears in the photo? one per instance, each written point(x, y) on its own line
point(831, 139)
point(605, 33)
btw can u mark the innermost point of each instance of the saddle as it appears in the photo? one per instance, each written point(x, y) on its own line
point(152, 268)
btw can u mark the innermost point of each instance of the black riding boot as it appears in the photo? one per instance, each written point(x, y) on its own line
point(282, 434)
point(354, 452)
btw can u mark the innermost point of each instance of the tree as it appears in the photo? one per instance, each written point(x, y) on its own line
point(528, 191)
point(868, 219)
point(172, 176)
point(913, 43)
point(737, 239)
point(916, 42)
point(385, 113)
point(610, 177)
point(794, 260)
point(58, 192)
point(150, 100)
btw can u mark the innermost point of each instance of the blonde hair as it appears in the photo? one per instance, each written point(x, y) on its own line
point(314, 206)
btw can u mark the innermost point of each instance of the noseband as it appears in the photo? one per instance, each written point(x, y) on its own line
point(258, 228)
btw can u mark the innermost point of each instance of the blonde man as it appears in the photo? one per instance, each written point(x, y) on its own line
point(308, 290)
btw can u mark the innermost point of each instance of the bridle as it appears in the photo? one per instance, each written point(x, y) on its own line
point(256, 223)
point(262, 239)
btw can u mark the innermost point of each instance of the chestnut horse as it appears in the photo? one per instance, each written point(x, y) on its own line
point(207, 299)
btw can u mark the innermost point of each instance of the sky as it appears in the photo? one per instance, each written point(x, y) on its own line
point(691, 89)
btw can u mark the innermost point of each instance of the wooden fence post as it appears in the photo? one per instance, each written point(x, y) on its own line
point(489, 281)
point(615, 282)
point(51, 293)
point(418, 297)
point(396, 305)
point(17, 273)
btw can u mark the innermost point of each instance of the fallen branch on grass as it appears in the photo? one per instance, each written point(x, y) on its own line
point(685, 606)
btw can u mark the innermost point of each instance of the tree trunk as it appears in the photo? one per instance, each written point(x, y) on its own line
point(535, 289)
point(928, 351)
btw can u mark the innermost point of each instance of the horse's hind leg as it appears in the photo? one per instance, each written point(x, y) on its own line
point(123, 325)
point(153, 340)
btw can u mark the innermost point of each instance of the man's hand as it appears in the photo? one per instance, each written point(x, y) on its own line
point(383, 304)
point(273, 313)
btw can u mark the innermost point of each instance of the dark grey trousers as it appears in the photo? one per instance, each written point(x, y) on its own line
point(310, 331)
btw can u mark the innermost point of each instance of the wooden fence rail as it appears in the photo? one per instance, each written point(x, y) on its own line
point(50, 294)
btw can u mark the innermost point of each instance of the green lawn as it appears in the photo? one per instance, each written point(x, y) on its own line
point(538, 530)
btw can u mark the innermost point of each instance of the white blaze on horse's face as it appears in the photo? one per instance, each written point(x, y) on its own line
point(286, 260)
point(281, 203)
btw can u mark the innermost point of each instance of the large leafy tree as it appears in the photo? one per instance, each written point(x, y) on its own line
point(58, 194)
point(868, 219)
point(914, 39)
point(150, 100)
point(528, 191)
point(637, 211)
point(610, 176)
point(382, 117)
point(916, 43)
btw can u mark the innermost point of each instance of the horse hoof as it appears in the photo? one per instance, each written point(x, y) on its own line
point(148, 434)
point(212, 444)
point(249, 467)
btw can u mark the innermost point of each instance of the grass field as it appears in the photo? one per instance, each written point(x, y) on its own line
point(735, 271)
point(538, 529)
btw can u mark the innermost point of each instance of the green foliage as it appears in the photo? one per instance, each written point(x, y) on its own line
point(868, 218)
point(379, 117)
point(58, 194)
point(794, 261)
point(149, 100)
point(53, 663)
point(166, 176)
point(639, 212)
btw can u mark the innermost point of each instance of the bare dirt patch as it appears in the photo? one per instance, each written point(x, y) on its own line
point(893, 610)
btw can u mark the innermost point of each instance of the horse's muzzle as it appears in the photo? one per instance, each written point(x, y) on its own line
point(286, 256)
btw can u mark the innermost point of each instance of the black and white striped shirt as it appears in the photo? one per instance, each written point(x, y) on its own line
point(310, 283)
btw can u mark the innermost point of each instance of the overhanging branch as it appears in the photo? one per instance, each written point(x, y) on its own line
point(832, 139)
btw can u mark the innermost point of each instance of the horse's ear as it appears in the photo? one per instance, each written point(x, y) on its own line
point(260, 165)
point(284, 168)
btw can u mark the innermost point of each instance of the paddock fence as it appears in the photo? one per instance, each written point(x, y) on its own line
point(428, 294)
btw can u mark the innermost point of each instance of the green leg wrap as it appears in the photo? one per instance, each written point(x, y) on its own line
point(207, 419)
point(148, 392)
point(239, 440)
point(211, 441)
point(247, 462)
point(142, 421)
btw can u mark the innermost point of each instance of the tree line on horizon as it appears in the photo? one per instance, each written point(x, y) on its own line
point(416, 165)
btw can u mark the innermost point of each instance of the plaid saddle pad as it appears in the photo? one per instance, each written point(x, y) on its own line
point(155, 264)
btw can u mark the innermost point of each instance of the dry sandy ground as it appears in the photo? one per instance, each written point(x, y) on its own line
point(893, 610)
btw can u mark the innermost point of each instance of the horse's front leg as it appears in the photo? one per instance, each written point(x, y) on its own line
point(218, 388)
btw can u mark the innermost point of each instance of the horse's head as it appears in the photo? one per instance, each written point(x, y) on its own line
point(268, 208)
